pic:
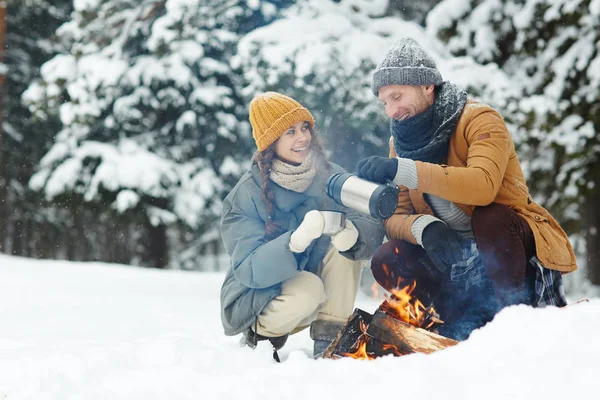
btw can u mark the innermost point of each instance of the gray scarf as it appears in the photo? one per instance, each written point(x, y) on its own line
point(426, 136)
point(294, 177)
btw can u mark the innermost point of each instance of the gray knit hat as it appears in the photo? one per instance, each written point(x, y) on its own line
point(406, 63)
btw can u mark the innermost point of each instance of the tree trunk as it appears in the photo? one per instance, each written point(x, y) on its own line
point(116, 240)
point(45, 244)
point(592, 236)
point(3, 180)
point(158, 246)
point(17, 237)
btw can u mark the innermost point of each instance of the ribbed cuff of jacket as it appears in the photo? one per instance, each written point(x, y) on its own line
point(419, 226)
point(407, 173)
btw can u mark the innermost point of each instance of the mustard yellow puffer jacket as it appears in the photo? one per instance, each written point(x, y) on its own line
point(482, 168)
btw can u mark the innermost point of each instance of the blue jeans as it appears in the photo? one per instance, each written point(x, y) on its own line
point(495, 271)
point(463, 295)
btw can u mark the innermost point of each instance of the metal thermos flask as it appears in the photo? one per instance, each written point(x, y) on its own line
point(378, 201)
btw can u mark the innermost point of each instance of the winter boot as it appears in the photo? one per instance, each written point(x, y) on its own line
point(323, 333)
point(251, 339)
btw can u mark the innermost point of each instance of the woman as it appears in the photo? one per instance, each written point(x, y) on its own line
point(285, 275)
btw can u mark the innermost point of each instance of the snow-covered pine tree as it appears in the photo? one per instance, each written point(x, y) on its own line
point(410, 9)
point(552, 50)
point(30, 25)
point(152, 127)
point(322, 52)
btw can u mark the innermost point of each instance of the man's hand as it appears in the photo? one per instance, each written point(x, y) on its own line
point(311, 228)
point(378, 169)
point(346, 238)
point(443, 245)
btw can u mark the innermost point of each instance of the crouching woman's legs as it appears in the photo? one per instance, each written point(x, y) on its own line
point(300, 296)
point(340, 277)
point(326, 298)
point(299, 299)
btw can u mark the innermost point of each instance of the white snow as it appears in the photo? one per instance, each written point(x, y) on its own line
point(61, 67)
point(97, 331)
point(83, 5)
point(595, 7)
point(125, 200)
point(443, 15)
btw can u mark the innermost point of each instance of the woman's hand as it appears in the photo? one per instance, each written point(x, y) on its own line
point(310, 229)
point(346, 238)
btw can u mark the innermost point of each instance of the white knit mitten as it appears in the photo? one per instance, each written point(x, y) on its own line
point(311, 228)
point(346, 238)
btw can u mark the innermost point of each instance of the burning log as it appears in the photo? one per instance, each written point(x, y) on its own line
point(367, 336)
point(405, 337)
point(402, 305)
point(353, 340)
point(348, 339)
point(401, 325)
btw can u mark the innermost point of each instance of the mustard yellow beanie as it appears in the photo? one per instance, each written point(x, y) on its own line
point(271, 114)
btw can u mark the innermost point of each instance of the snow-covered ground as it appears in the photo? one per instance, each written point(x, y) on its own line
point(98, 331)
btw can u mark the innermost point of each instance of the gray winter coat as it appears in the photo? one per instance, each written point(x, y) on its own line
point(258, 268)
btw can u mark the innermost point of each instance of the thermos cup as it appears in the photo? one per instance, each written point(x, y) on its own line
point(335, 221)
point(378, 201)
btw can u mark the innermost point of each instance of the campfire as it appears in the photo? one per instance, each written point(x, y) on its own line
point(401, 325)
point(402, 305)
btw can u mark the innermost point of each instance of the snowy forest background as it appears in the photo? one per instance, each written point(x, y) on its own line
point(124, 122)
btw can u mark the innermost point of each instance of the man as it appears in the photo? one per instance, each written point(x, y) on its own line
point(466, 228)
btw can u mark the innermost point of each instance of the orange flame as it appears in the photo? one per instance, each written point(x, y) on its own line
point(403, 306)
point(361, 346)
point(375, 290)
point(391, 348)
point(400, 304)
point(385, 269)
point(361, 352)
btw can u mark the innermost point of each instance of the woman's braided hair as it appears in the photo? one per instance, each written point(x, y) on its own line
point(264, 160)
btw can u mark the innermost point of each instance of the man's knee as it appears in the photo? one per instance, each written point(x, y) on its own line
point(382, 255)
point(491, 217)
point(391, 262)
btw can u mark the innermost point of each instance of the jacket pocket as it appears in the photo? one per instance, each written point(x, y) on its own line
point(555, 246)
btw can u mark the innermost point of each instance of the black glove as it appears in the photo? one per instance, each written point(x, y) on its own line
point(378, 169)
point(443, 245)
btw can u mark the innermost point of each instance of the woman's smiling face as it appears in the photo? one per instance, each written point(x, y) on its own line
point(292, 146)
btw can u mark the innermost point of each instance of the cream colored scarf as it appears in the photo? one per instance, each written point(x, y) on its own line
point(294, 177)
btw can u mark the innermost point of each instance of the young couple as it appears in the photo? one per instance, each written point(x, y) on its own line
point(466, 228)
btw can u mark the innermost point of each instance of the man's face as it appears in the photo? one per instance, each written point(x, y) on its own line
point(404, 101)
